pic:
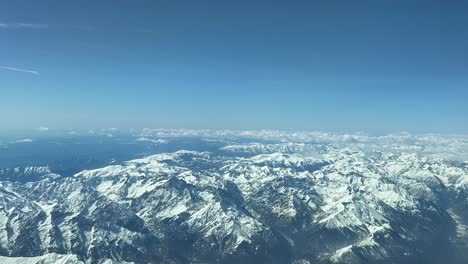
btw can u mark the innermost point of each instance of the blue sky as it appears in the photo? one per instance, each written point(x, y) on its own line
point(374, 66)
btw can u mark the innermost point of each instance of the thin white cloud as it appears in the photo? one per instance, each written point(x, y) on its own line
point(23, 141)
point(32, 26)
point(44, 129)
point(23, 26)
point(20, 70)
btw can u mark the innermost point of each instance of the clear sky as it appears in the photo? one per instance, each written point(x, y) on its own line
point(373, 66)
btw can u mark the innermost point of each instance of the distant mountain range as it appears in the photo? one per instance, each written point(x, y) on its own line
point(247, 197)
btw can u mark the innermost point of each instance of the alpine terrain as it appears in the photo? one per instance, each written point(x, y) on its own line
point(207, 196)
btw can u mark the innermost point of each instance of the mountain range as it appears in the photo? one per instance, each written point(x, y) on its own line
point(251, 197)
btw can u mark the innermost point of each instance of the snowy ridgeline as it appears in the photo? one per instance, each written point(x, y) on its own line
point(333, 199)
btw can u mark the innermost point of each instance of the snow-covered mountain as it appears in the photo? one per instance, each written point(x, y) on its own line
point(277, 199)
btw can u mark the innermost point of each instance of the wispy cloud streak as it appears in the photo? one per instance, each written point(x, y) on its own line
point(39, 26)
point(33, 26)
point(23, 26)
point(19, 70)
